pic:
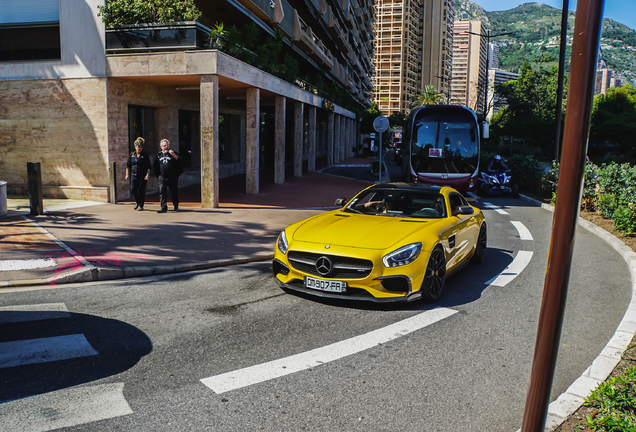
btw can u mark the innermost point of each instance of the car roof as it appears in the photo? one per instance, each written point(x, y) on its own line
point(407, 186)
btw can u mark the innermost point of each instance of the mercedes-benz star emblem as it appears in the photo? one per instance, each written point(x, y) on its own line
point(323, 266)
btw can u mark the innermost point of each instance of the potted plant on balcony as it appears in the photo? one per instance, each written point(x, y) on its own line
point(143, 25)
point(118, 13)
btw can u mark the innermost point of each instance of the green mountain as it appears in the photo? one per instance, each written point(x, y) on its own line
point(535, 33)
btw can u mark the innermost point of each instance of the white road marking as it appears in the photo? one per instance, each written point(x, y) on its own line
point(472, 195)
point(64, 408)
point(60, 243)
point(524, 233)
point(495, 208)
point(27, 264)
point(299, 362)
point(513, 270)
point(35, 312)
point(44, 350)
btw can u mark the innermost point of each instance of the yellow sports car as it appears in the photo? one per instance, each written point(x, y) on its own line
point(391, 242)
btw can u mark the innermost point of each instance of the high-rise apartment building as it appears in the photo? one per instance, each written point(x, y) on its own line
point(470, 49)
point(413, 48)
point(605, 79)
point(493, 56)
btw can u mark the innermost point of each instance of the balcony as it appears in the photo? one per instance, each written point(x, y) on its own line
point(311, 45)
point(188, 35)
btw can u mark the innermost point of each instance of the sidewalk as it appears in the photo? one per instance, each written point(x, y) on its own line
point(78, 241)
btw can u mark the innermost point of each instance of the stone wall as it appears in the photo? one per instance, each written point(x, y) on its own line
point(62, 124)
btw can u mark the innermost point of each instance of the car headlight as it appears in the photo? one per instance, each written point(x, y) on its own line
point(282, 243)
point(403, 256)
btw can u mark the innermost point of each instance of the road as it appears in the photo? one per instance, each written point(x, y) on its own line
point(155, 353)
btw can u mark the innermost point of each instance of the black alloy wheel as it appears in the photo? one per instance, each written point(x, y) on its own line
point(435, 276)
point(480, 247)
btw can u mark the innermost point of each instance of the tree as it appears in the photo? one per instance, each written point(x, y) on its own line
point(397, 119)
point(367, 117)
point(531, 111)
point(428, 96)
point(614, 123)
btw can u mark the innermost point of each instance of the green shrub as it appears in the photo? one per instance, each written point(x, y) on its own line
point(116, 13)
point(615, 400)
point(526, 170)
point(606, 204)
point(625, 219)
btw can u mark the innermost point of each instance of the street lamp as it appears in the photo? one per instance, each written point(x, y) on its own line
point(488, 36)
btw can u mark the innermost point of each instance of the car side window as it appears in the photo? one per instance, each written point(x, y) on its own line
point(456, 201)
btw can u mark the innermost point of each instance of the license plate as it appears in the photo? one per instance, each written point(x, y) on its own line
point(325, 285)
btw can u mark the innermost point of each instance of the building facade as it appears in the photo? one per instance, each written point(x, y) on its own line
point(470, 51)
point(81, 93)
point(413, 49)
point(605, 79)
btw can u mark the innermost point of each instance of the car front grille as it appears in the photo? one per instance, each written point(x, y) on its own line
point(342, 267)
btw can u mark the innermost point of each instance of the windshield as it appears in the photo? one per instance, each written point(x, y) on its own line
point(398, 203)
point(444, 141)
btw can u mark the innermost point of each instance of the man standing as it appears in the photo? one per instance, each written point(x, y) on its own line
point(167, 167)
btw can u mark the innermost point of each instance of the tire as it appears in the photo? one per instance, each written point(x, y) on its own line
point(515, 191)
point(435, 276)
point(480, 246)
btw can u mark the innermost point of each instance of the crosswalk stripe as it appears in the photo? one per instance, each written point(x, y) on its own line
point(34, 312)
point(44, 350)
point(319, 356)
point(495, 208)
point(64, 408)
point(27, 264)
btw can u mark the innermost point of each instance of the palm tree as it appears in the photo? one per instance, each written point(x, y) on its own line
point(428, 96)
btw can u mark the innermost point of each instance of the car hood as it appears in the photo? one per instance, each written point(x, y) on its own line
point(359, 231)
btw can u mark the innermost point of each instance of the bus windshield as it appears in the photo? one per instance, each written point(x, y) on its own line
point(443, 143)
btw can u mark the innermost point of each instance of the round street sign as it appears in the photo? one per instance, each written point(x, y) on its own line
point(380, 124)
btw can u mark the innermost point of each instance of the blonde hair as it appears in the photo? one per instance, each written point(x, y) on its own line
point(140, 141)
point(164, 141)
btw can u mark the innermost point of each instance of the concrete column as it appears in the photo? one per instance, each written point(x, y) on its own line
point(252, 129)
point(279, 140)
point(343, 138)
point(330, 136)
point(311, 139)
point(209, 106)
point(336, 139)
point(299, 108)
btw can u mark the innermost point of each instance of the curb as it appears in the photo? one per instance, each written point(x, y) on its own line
point(570, 401)
point(92, 274)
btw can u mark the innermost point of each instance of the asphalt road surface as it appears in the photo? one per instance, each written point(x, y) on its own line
point(227, 350)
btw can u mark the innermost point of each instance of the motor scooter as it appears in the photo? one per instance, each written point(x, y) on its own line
point(492, 182)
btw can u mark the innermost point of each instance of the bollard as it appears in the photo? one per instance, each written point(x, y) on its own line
point(34, 174)
point(113, 182)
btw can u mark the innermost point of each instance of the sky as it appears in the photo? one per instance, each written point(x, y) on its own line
point(622, 11)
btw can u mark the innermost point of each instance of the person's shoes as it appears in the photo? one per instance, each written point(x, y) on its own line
point(136, 206)
point(163, 210)
point(176, 207)
point(141, 208)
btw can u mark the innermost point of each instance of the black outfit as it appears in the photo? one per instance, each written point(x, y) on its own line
point(138, 166)
point(497, 167)
point(168, 169)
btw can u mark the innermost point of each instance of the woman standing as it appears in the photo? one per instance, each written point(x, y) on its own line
point(138, 169)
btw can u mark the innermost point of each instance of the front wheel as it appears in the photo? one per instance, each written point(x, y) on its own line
point(435, 276)
point(480, 246)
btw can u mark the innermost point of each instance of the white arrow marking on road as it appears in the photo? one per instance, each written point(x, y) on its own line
point(512, 271)
point(524, 233)
point(64, 408)
point(495, 208)
point(299, 362)
point(27, 264)
point(35, 312)
point(44, 350)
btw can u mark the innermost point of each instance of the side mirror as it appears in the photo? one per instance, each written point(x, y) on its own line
point(340, 202)
point(465, 210)
point(485, 130)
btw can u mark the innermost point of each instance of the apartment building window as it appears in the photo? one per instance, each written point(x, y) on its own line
point(30, 30)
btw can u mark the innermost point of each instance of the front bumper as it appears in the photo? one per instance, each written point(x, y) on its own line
point(381, 285)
